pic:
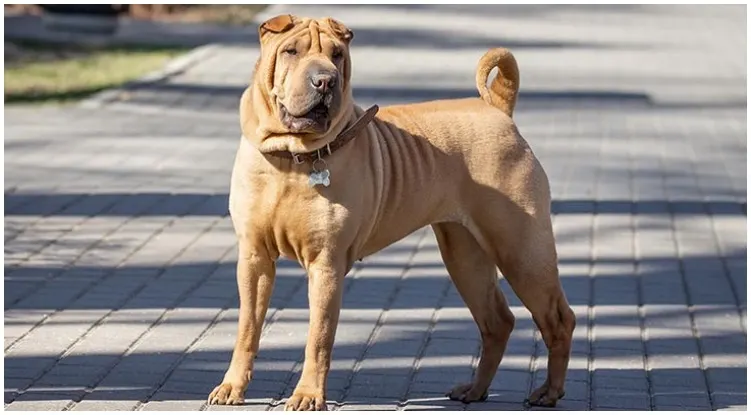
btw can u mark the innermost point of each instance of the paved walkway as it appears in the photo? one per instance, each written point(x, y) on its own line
point(119, 255)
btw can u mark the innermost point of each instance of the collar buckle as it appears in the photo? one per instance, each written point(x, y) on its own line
point(328, 151)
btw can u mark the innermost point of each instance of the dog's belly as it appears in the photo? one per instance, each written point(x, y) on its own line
point(393, 230)
point(383, 239)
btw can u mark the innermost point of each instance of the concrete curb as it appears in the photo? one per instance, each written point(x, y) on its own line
point(174, 67)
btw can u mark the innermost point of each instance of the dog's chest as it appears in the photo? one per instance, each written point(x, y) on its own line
point(287, 214)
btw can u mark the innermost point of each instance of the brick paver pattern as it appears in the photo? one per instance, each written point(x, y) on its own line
point(120, 290)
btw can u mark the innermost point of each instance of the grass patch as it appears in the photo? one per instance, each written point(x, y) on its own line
point(39, 73)
point(36, 73)
point(223, 14)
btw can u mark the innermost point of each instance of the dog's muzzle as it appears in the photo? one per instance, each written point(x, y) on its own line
point(316, 118)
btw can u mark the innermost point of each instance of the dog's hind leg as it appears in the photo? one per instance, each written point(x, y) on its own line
point(532, 272)
point(475, 277)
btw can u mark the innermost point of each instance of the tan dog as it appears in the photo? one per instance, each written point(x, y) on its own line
point(318, 180)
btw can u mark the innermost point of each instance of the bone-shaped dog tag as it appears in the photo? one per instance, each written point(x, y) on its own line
point(319, 177)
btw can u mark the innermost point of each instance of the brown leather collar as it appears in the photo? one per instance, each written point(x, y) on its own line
point(343, 138)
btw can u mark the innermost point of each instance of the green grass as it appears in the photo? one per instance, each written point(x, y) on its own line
point(223, 14)
point(59, 74)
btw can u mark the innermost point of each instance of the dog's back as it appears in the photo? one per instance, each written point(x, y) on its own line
point(468, 122)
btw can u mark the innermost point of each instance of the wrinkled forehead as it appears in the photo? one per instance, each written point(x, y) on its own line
point(310, 35)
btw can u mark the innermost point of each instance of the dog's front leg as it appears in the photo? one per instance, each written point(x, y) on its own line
point(325, 298)
point(255, 282)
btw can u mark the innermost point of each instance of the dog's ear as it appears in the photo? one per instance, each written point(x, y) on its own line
point(341, 31)
point(278, 24)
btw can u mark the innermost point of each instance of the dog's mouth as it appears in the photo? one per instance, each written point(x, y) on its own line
point(316, 119)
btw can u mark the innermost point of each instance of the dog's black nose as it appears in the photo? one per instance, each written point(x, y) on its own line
point(323, 81)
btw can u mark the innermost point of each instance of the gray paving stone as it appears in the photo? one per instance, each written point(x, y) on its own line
point(419, 389)
point(172, 402)
point(577, 390)
point(197, 388)
point(685, 399)
point(75, 380)
point(378, 386)
point(248, 406)
point(511, 380)
point(620, 400)
point(729, 400)
point(17, 383)
point(446, 375)
point(40, 401)
point(637, 383)
point(106, 405)
point(571, 405)
point(432, 404)
point(369, 405)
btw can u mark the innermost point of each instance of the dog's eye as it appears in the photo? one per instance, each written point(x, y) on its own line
point(291, 51)
point(336, 55)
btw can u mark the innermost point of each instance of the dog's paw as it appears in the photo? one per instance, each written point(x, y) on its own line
point(467, 393)
point(300, 401)
point(544, 396)
point(227, 394)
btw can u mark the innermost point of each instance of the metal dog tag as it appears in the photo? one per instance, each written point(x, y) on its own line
point(320, 173)
point(319, 177)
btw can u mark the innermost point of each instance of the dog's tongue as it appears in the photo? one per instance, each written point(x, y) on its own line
point(301, 123)
point(315, 118)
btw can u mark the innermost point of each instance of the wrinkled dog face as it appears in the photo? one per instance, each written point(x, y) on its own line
point(309, 62)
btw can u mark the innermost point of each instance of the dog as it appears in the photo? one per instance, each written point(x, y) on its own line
point(321, 181)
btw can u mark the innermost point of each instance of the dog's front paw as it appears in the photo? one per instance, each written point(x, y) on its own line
point(544, 396)
point(227, 394)
point(304, 401)
point(467, 393)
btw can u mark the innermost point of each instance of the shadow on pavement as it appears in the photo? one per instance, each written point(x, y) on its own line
point(141, 377)
point(199, 204)
point(227, 98)
point(172, 374)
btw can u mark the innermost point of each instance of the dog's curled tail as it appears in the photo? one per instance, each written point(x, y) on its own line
point(505, 87)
